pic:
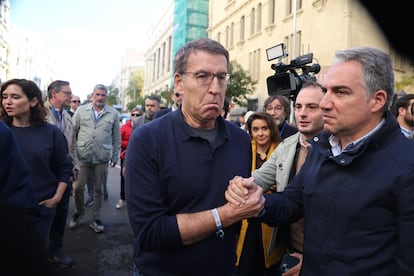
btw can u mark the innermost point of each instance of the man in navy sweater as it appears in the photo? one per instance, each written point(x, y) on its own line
point(177, 169)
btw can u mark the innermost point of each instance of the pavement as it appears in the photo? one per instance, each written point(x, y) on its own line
point(108, 253)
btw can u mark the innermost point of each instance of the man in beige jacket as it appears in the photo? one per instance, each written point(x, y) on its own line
point(58, 96)
point(287, 159)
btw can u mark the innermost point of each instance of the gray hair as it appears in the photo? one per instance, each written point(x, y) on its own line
point(100, 87)
point(56, 86)
point(284, 101)
point(377, 72)
point(202, 44)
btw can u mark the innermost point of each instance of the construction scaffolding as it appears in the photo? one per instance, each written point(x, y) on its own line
point(190, 21)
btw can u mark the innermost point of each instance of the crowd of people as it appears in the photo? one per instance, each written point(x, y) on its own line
point(328, 192)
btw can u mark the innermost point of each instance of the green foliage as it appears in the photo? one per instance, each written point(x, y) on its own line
point(240, 86)
point(139, 101)
point(406, 81)
point(165, 96)
point(135, 85)
point(133, 91)
point(113, 95)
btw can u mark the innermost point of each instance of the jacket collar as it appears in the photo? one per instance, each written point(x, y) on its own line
point(385, 133)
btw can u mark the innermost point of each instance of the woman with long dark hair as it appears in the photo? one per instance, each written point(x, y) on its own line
point(43, 145)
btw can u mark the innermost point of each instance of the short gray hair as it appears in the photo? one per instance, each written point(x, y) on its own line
point(202, 44)
point(377, 72)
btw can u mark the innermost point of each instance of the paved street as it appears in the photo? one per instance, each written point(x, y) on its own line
point(108, 253)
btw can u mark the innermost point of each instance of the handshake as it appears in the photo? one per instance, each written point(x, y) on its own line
point(244, 198)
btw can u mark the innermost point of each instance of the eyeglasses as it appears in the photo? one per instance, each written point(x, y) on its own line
point(204, 78)
point(67, 93)
point(75, 101)
point(135, 114)
point(178, 95)
point(276, 107)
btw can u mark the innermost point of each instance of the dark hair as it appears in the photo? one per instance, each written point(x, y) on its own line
point(202, 44)
point(137, 109)
point(261, 115)
point(154, 98)
point(56, 86)
point(312, 83)
point(38, 112)
point(226, 107)
point(403, 101)
point(284, 101)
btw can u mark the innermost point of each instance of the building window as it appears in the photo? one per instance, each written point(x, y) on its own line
point(296, 51)
point(242, 20)
point(258, 58)
point(254, 64)
point(158, 62)
point(227, 36)
point(272, 16)
point(259, 17)
point(163, 58)
point(250, 68)
point(154, 60)
point(287, 43)
point(290, 6)
point(252, 21)
point(231, 34)
point(299, 51)
point(169, 54)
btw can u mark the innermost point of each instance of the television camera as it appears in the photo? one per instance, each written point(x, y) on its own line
point(286, 81)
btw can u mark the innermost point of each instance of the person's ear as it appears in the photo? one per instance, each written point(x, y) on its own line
point(34, 102)
point(379, 99)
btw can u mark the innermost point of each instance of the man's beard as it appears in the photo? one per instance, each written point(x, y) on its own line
point(409, 121)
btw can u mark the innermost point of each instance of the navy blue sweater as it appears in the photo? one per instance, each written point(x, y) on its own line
point(171, 170)
point(46, 154)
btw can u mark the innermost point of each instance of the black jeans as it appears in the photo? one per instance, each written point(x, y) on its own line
point(122, 192)
point(59, 222)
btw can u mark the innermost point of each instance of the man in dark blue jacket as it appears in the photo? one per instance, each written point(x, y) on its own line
point(177, 169)
point(355, 190)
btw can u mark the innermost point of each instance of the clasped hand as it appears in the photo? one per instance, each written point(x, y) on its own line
point(245, 196)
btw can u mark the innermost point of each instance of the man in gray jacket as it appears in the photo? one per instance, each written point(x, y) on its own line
point(98, 143)
point(288, 158)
